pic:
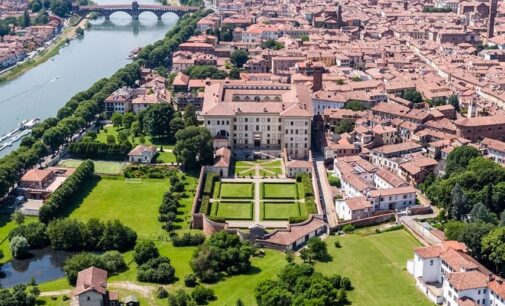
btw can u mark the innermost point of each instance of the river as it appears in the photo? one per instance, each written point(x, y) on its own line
point(43, 90)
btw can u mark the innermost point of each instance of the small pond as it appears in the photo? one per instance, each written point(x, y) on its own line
point(45, 265)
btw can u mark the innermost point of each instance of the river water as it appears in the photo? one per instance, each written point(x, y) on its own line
point(41, 91)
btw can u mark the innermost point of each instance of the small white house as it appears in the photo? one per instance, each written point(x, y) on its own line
point(142, 154)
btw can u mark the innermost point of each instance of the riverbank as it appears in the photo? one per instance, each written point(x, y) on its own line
point(50, 51)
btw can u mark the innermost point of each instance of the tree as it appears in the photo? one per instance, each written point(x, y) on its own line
point(413, 96)
point(493, 247)
point(42, 18)
point(459, 203)
point(156, 120)
point(234, 73)
point(144, 251)
point(4, 28)
point(128, 119)
point(18, 217)
point(472, 234)
point(190, 118)
point(459, 158)
point(344, 126)
point(156, 270)
point(180, 298)
point(222, 252)
point(117, 120)
point(454, 101)
point(355, 106)
point(502, 219)
point(272, 44)
point(481, 213)
point(26, 19)
point(306, 255)
point(201, 295)
point(111, 261)
point(239, 58)
point(304, 38)
point(19, 247)
point(318, 248)
point(453, 229)
point(34, 232)
point(194, 147)
point(190, 280)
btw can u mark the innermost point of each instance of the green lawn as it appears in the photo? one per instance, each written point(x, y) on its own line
point(101, 167)
point(236, 190)
point(114, 131)
point(376, 265)
point(279, 190)
point(234, 210)
point(280, 210)
point(244, 172)
point(166, 157)
point(134, 204)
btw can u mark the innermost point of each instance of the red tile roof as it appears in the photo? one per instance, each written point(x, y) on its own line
point(91, 278)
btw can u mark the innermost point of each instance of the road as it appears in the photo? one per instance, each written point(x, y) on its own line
point(327, 201)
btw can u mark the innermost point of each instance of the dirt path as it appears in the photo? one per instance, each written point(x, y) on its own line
point(144, 290)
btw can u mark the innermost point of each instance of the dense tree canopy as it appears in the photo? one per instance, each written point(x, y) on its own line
point(194, 147)
point(300, 285)
point(221, 253)
point(239, 58)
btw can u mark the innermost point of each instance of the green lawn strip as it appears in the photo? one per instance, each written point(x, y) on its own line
point(213, 208)
point(270, 171)
point(299, 190)
point(101, 167)
point(279, 190)
point(217, 189)
point(234, 210)
point(236, 190)
point(280, 210)
point(376, 265)
point(134, 204)
point(166, 157)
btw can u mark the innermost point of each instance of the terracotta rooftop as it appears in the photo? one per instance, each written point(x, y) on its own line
point(92, 278)
point(36, 175)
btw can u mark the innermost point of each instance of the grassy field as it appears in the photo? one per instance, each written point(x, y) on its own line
point(101, 167)
point(234, 210)
point(376, 265)
point(279, 190)
point(117, 199)
point(114, 131)
point(236, 190)
point(166, 157)
point(280, 210)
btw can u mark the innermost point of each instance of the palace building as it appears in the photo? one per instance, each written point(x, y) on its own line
point(259, 117)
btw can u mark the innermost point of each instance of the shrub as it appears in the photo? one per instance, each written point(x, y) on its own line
point(161, 293)
point(348, 228)
point(209, 183)
point(188, 239)
point(19, 247)
point(65, 298)
point(156, 270)
point(334, 181)
point(190, 280)
point(201, 295)
point(337, 244)
point(144, 251)
point(204, 206)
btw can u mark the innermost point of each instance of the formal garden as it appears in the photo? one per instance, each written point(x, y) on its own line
point(258, 168)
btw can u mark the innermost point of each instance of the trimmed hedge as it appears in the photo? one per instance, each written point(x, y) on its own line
point(209, 183)
point(204, 206)
point(99, 150)
point(310, 203)
point(62, 196)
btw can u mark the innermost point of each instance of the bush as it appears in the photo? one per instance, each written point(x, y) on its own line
point(19, 247)
point(161, 293)
point(65, 298)
point(190, 280)
point(334, 181)
point(144, 251)
point(202, 295)
point(188, 239)
point(222, 252)
point(156, 270)
point(337, 244)
point(204, 206)
point(348, 228)
point(209, 183)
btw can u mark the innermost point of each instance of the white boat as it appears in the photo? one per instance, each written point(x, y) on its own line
point(29, 123)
